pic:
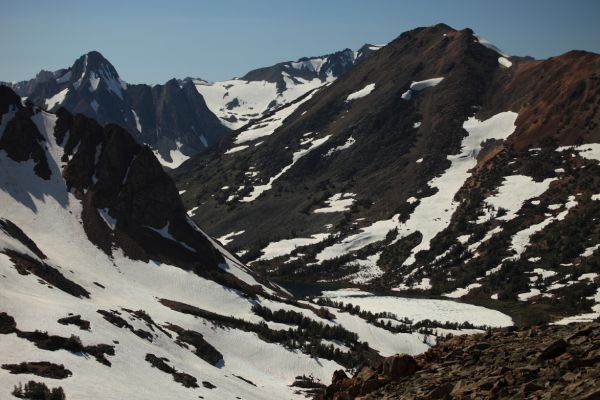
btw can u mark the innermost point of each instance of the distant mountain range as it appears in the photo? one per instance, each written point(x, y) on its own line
point(174, 119)
point(241, 100)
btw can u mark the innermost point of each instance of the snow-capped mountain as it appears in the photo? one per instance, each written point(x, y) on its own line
point(439, 165)
point(173, 119)
point(239, 101)
point(109, 291)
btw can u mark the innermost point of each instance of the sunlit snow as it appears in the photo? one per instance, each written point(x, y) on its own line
point(361, 93)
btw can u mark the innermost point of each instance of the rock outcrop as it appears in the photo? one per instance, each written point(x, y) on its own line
point(543, 362)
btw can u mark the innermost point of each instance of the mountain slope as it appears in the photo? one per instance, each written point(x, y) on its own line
point(109, 290)
point(172, 119)
point(45, 227)
point(382, 176)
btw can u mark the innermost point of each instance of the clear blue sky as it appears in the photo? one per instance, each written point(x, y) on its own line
point(151, 41)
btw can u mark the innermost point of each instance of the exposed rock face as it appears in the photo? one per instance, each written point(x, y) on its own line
point(122, 180)
point(7, 324)
point(174, 113)
point(397, 367)
point(169, 117)
point(554, 362)
point(20, 139)
point(368, 379)
point(129, 202)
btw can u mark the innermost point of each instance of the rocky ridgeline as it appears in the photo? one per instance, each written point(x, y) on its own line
point(545, 362)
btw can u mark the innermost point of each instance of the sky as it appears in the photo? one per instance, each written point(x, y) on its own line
point(152, 41)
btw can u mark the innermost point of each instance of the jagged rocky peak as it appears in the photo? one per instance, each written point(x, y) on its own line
point(173, 118)
point(93, 69)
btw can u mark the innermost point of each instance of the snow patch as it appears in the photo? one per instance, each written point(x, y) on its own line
point(57, 99)
point(339, 202)
point(107, 218)
point(286, 246)
point(590, 151)
point(236, 149)
point(164, 232)
point(226, 239)
point(505, 62)
point(520, 240)
point(344, 146)
point(511, 195)
point(94, 104)
point(460, 292)
point(138, 125)
point(417, 86)
point(361, 93)
point(368, 270)
point(177, 157)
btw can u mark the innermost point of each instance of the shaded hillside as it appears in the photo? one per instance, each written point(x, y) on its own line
point(173, 119)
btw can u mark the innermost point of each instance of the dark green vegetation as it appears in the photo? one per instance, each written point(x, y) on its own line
point(40, 368)
point(38, 391)
point(303, 334)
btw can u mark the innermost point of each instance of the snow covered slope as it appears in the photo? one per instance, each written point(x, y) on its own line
point(50, 270)
point(238, 101)
point(105, 280)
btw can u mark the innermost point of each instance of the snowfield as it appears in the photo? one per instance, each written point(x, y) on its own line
point(267, 126)
point(286, 246)
point(57, 99)
point(421, 309)
point(43, 208)
point(512, 194)
point(236, 102)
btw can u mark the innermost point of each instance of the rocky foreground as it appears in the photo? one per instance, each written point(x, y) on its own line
point(545, 362)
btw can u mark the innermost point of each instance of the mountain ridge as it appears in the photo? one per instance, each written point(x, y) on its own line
point(395, 139)
point(172, 119)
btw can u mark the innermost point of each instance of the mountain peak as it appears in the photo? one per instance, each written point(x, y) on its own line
point(443, 26)
point(90, 70)
point(96, 62)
